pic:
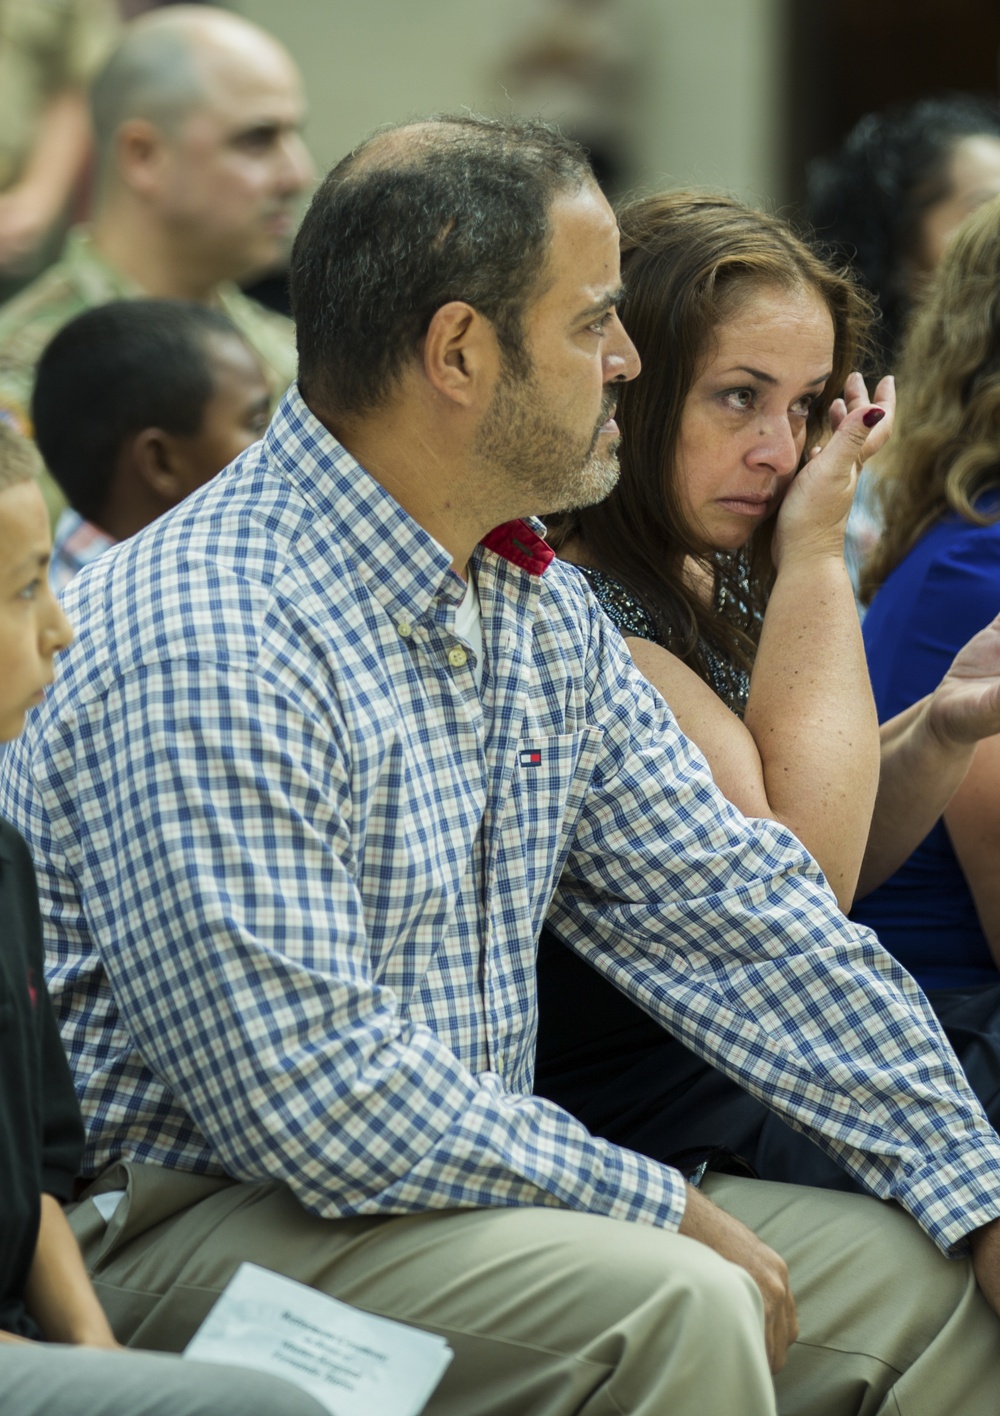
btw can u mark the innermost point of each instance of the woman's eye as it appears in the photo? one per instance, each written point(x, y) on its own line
point(29, 591)
point(803, 406)
point(739, 399)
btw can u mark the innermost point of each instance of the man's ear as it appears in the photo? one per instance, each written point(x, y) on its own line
point(140, 148)
point(156, 459)
point(460, 354)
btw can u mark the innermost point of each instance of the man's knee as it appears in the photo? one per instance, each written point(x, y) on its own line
point(665, 1287)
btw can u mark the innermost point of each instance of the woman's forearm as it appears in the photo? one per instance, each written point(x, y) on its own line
point(59, 1294)
point(812, 716)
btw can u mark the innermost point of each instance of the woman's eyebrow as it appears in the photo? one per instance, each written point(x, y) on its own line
point(769, 378)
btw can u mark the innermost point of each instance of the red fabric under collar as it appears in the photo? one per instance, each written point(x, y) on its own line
point(516, 542)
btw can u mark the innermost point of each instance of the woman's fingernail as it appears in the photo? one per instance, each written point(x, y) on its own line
point(873, 416)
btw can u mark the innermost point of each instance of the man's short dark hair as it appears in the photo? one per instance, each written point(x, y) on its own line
point(454, 208)
point(113, 371)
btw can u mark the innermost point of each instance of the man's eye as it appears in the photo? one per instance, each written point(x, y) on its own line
point(30, 591)
point(601, 324)
point(258, 140)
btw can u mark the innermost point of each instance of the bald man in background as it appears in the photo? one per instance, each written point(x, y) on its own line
point(197, 118)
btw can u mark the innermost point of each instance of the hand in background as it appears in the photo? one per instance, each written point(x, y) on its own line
point(965, 706)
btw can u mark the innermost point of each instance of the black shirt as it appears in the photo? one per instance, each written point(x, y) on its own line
point(41, 1133)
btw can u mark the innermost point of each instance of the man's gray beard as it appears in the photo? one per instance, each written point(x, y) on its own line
point(597, 478)
point(537, 457)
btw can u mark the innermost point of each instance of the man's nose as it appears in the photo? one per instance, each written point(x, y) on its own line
point(296, 165)
point(621, 358)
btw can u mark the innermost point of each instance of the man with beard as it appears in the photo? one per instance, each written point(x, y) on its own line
point(335, 738)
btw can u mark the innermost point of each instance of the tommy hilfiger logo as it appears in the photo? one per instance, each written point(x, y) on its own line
point(531, 757)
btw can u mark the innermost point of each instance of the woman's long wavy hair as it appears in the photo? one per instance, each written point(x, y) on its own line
point(945, 451)
point(689, 262)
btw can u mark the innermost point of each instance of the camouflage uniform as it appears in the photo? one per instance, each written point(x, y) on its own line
point(82, 280)
point(46, 48)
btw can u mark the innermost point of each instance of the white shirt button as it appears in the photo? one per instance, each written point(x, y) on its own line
point(457, 657)
point(404, 628)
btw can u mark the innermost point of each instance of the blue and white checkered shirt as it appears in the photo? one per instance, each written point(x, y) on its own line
point(293, 867)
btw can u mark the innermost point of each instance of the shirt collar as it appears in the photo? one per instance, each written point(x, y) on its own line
point(404, 566)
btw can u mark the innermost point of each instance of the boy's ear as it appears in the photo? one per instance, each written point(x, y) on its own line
point(157, 459)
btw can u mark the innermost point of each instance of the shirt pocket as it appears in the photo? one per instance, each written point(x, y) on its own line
point(549, 785)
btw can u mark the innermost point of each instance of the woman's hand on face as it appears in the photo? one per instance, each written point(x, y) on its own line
point(813, 515)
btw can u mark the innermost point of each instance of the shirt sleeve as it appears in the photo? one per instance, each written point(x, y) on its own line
point(244, 978)
point(725, 930)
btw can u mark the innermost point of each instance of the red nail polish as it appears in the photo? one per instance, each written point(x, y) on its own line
point(873, 416)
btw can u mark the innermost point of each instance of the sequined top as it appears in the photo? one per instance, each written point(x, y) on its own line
point(729, 681)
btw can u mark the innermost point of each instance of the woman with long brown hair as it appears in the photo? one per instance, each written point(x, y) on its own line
point(719, 556)
point(935, 578)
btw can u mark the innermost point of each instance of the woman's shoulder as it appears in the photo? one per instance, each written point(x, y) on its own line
point(624, 609)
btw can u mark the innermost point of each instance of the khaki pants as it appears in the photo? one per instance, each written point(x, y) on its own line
point(550, 1312)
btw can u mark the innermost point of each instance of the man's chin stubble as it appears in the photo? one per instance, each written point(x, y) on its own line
point(595, 480)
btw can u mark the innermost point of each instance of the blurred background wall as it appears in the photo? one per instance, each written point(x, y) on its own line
point(664, 91)
point(732, 93)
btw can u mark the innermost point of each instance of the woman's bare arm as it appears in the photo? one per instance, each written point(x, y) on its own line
point(926, 752)
point(812, 717)
point(59, 1294)
point(738, 764)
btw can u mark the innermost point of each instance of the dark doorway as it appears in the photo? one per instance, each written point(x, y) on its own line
point(848, 57)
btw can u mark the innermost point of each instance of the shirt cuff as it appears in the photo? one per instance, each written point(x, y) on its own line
point(954, 1194)
point(635, 1188)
